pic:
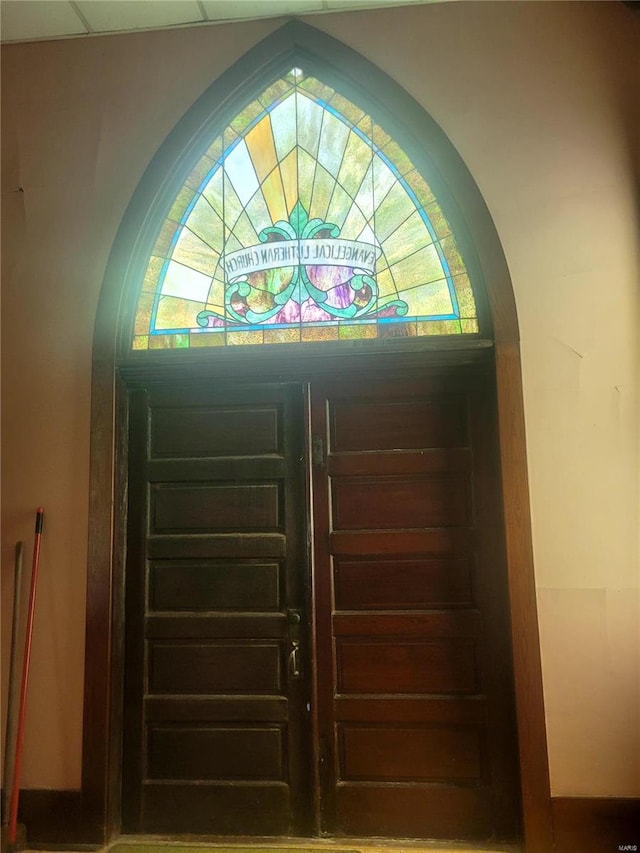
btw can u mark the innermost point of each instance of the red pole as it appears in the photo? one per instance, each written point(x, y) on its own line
point(15, 791)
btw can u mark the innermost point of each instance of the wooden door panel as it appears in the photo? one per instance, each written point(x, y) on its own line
point(216, 752)
point(405, 591)
point(367, 503)
point(214, 585)
point(404, 753)
point(370, 584)
point(215, 730)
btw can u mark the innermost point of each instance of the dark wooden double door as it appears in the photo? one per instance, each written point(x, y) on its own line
point(316, 629)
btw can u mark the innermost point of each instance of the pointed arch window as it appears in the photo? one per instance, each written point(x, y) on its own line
point(303, 222)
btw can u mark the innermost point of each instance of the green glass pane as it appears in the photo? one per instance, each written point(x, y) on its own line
point(339, 206)
point(428, 299)
point(248, 114)
point(349, 110)
point(215, 150)
point(453, 256)
point(214, 194)
point(439, 327)
point(274, 92)
point(333, 141)
point(140, 342)
point(152, 274)
point(315, 87)
point(207, 339)
point(193, 252)
point(198, 174)
point(232, 204)
point(167, 233)
point(206, 223)
point(410, 236)
point(394, 209)
point(423, 266)
point(438, 220)
point(322, 191)
point(397, 156)
point(258, 212)
point(168, 341)
point(421, 188)
point(283, 123)
point(182, 202)
point(469, 327)
point(358, 332)
point(309, 123)
point(355, 163)
point(186, 283)
point(245, 232)
point(306, 171)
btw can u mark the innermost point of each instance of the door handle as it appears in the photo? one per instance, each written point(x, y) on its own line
point(295, 671)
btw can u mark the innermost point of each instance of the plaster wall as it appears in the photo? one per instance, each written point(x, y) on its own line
point(540, 99)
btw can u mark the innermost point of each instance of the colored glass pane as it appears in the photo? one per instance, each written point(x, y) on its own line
point(304, 221)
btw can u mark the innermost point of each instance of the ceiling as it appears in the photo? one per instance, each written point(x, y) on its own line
point(39, 20)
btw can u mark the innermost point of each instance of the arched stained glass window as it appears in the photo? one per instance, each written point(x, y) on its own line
point(304, 221)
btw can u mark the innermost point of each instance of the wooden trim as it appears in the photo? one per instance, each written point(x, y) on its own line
point(469, 216)
point(596, 824)
point(532, 739)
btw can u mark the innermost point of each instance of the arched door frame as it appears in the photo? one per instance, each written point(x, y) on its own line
point(104, 621)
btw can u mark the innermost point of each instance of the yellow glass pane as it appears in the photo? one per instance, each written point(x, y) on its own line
point(464, 295)
point(262, 149)
point(409, 237)
point(215, 151)
point(207, 339)
point(143, 314)
point(140, 342)
point(244, 338)
point(469, 327)
point(423, 266)
point(397, 330)
point(282, 336)
point(176, 313)
point(312, 334)
point(273, 193)
point(386, 284)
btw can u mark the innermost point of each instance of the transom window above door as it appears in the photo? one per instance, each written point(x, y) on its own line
point(303, 222)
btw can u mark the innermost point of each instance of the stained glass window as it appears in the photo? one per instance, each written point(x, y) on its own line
point(304, 221)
